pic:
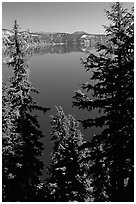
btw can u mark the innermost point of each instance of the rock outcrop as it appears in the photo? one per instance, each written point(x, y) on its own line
point(35, 39)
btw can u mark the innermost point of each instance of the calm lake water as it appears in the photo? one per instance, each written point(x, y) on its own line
point(56, 75)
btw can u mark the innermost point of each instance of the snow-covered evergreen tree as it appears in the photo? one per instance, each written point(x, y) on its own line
point(67, 181)
point(113, 94)
point(21, 133)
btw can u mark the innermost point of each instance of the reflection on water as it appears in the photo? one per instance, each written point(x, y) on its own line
point(54, 49)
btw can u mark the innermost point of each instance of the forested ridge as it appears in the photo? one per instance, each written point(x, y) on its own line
point(101, 170)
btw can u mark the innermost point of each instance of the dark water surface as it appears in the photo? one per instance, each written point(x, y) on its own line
point(56, 76)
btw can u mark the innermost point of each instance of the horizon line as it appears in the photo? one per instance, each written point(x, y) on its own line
point(27, 30)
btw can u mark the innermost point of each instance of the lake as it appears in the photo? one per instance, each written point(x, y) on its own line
point(56, 74)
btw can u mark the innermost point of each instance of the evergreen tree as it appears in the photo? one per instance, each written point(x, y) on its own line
point(67, 180)
point(11, 142)
point(21, 133)
point(112, 157)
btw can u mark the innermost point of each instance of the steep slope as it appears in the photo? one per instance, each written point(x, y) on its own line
point(47, 39)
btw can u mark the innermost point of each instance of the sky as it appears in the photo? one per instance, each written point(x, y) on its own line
point(57, 16)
